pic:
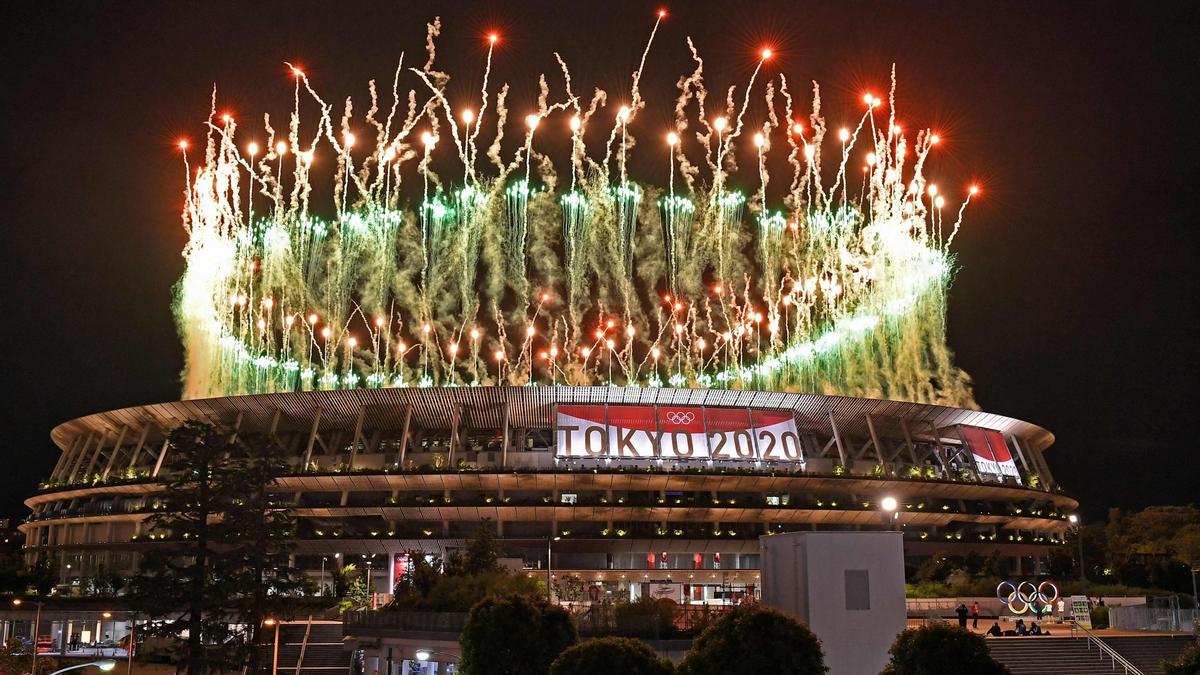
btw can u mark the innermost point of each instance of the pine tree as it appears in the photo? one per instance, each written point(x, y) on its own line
point(222, 558)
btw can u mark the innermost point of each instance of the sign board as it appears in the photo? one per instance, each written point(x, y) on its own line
point(676, 433)
point(669, 591)
point(1081, 612)
point(990, 452)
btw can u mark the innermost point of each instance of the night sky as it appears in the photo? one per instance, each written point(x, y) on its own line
point(1075, 306)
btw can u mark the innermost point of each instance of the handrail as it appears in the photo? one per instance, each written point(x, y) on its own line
point(303, 646)
point(1105, 649)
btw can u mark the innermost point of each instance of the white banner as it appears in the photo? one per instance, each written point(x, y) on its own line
point(666, 590)
point(676, 433)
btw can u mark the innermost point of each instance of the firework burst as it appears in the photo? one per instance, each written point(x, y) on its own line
point(495, 275)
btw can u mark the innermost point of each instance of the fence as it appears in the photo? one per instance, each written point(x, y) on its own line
point(424, 622)
point(1142, 617)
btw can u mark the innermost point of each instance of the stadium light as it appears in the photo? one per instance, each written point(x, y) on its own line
point(424, 655)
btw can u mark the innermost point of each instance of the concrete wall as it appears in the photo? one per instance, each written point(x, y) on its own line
point(847, 586)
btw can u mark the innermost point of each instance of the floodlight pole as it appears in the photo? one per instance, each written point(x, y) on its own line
point(1082, 569)
point(1195, 598)
point(37, 622)
point(1078, 527)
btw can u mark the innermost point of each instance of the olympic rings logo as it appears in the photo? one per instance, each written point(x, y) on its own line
point(1018, 600)
point(681, 418)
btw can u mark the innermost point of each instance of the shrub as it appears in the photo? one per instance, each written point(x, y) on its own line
point(514, 635)
point(1188, 663)
point(1100, 617)
point(647, 617)
point(754, 639)
point(941, 649)
point(611, 655)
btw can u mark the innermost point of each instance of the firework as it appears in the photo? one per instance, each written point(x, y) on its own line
point(503, 278)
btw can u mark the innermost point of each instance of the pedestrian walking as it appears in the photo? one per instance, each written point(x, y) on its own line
point(975, 615)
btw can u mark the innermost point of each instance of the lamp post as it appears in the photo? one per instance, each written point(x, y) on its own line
point(1074, 520)
point(105, 665)
point(37, 622)
point(887, 507)
point(1195, 598)
point(424, 655)
point(370, 587)
point(549, 544)
point(132, 643)
point(270, 621)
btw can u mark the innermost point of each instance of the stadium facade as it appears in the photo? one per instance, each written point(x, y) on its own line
point(630, 491)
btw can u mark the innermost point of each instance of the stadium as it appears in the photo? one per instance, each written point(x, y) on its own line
point(629, 382)
point(631, 491)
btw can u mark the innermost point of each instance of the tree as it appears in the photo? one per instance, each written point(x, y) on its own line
point(351, 588)
point(611, 655)
point(15, 657)
point(464, 580)
point(514, 635)
point(256, 561)
point(1188, 663)
point(1164, 532)
point(223, 549)
point(754, 639)
point(483, 555)
point(941, 649)
point(936, 568)
point(568, 588)
point(420, 576)
point(17, 577)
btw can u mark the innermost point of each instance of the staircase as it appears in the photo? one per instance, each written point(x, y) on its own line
point(322, 654)
point(1072, 656)
point(1148, 651)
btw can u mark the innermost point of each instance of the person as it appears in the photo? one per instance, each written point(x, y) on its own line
point(1021, 629)
point(1034, 629)
point(1062, 608)
point(1101, 601)
point(975, 614)
point(995, 631)
point(962, 616)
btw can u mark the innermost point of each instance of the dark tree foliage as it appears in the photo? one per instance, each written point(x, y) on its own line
point(941, 649)
point(15, 657)
point(463, 581)
point(754, 639)
point(419, 578)
point(223, 547)
point(482, 554)
point(256, 561)
point(611, 655)
point(16, 577)
point(647, 617)
point(1188, 663)
point(514, 635)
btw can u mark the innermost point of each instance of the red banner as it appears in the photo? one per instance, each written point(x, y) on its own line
point(990, 452)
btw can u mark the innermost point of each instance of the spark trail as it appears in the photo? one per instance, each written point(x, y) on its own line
point(506, 280)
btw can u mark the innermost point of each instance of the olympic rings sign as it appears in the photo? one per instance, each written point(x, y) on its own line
point(681, 418)
point(1023, 597)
